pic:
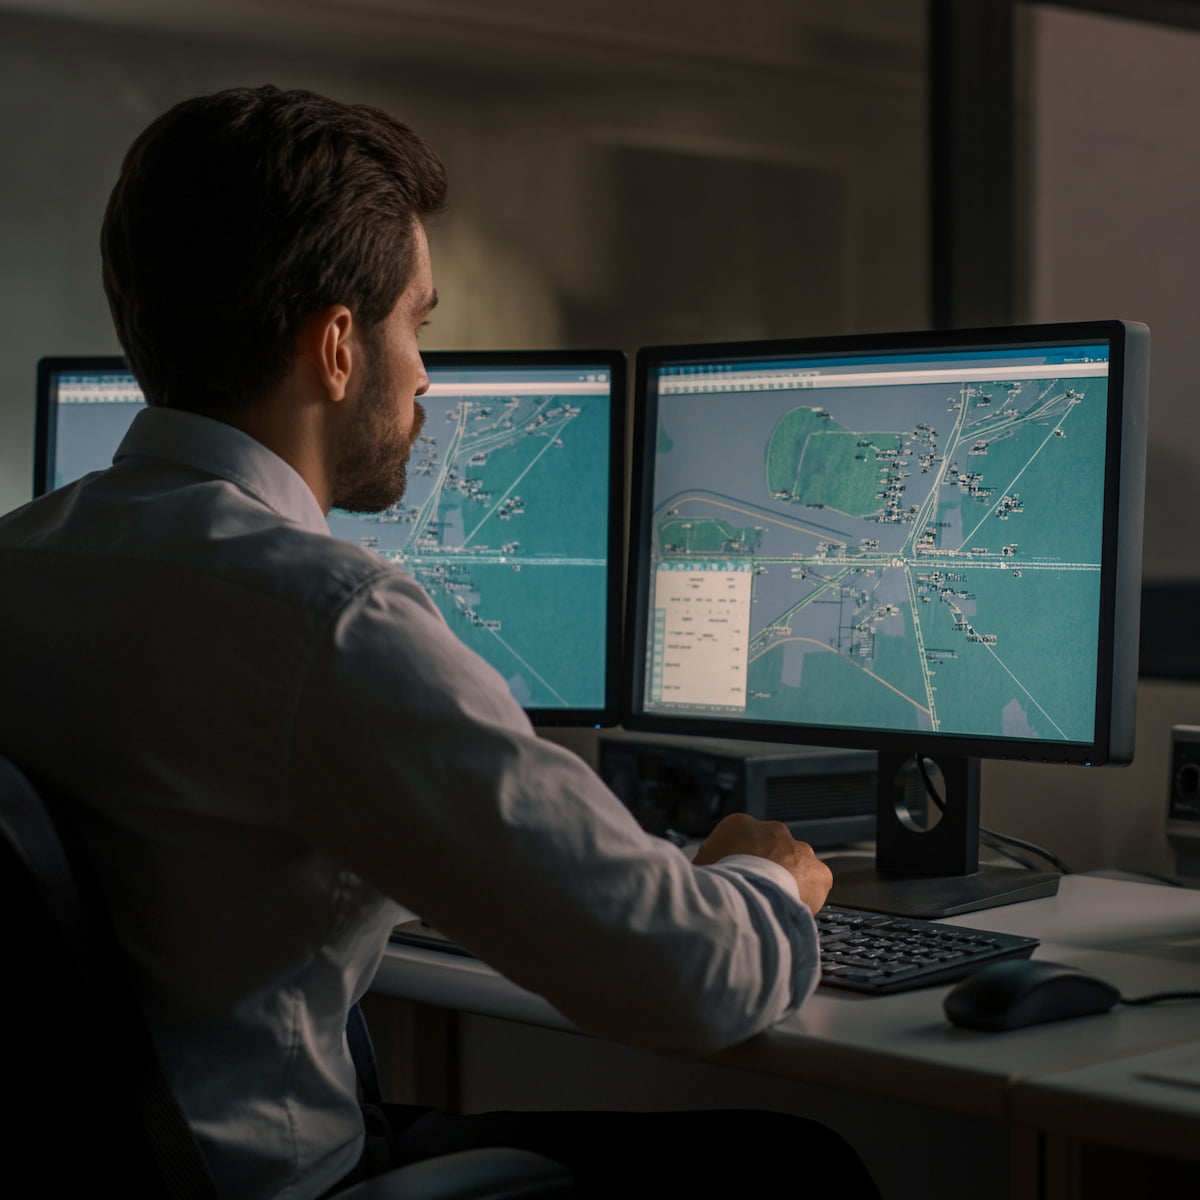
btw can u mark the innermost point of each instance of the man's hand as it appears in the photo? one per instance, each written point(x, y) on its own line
point(740, 833)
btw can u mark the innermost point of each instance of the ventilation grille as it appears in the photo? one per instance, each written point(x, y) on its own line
point(810, 797)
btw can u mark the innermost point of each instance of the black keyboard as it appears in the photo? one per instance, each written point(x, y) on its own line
point(877, 954)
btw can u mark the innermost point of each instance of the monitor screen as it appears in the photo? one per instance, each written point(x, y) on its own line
point(923, 544)
point(512, 520)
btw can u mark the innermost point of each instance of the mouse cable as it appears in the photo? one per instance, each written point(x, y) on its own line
point(1159, 996)
point(996, 841)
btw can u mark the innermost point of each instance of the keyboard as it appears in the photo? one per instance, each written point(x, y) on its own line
point(877, 954)
point(860, 951)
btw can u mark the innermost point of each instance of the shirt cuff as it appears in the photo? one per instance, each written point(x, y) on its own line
point(756, 865)
point(794, 919)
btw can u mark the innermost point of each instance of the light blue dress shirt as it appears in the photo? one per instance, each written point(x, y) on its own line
point(275, 738)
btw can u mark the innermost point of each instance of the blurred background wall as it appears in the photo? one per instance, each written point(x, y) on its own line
point(622, 173)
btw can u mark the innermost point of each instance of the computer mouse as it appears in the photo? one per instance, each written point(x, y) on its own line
point(1026, 991)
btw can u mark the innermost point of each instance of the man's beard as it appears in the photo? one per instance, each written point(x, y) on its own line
point(370, 475)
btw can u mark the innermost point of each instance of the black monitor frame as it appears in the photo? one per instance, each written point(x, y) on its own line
point(607, 712)
point(932, 872)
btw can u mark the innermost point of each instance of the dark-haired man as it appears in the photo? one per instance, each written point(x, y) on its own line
point(274, 736)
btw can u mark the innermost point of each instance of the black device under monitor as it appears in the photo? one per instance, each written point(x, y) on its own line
point(513, 517)
point(923, 544)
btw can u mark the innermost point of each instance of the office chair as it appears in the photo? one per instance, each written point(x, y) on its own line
point(89, 1103)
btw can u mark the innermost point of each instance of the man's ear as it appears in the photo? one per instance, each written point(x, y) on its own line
point(325, 341)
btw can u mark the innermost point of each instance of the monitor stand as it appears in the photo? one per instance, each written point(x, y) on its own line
point(930, 871)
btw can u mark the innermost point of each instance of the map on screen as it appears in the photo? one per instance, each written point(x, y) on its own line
point(505, 525)
point(510, 517)
point(893, 546)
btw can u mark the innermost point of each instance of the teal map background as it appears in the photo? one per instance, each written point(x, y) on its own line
point(937, 568)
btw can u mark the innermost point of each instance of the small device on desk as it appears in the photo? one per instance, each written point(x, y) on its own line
point(685, 785)
point(1183, 800)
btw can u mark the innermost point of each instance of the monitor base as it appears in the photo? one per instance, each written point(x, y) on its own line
point(929, 897)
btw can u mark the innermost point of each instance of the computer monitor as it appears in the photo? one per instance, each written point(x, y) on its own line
point(513, 517)
point(925, 544)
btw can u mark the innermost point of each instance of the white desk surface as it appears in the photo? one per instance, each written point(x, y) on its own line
point(1141, 937)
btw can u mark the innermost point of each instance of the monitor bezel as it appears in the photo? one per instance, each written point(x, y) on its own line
point(604, 715)
point(1117, 651)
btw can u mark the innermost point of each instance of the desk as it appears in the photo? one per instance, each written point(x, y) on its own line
point(1133, 1122)
point(970, 1095)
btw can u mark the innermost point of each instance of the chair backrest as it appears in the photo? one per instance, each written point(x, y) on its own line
point(89, 1098)
point(88, 1102)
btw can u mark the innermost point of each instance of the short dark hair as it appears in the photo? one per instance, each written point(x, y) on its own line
point(238, 214)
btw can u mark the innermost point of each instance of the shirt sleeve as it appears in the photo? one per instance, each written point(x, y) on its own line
point(411, 764)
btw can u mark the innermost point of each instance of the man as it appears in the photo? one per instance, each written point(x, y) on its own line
point(273, 738)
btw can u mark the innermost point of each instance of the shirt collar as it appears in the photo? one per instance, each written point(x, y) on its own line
point(219, 449)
